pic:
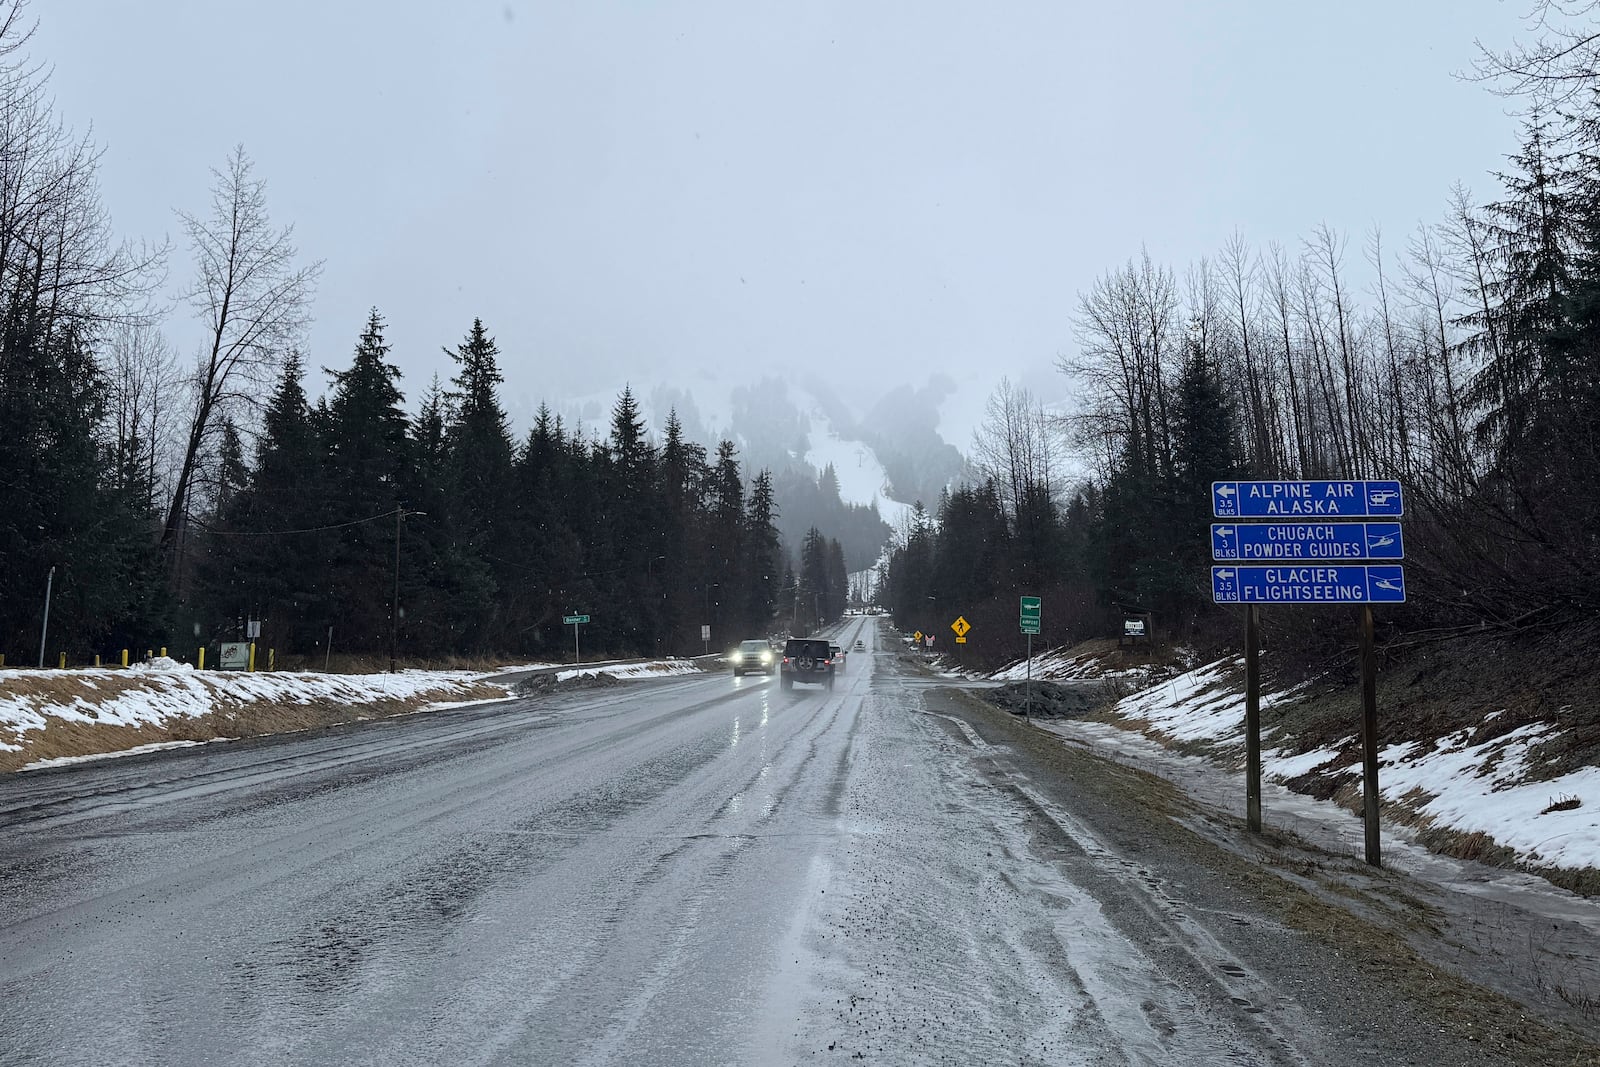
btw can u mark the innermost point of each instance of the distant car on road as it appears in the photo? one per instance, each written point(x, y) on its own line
point(806, 660)
point(752, 655)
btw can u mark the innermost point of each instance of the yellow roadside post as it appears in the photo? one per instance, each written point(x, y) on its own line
point(148, 654)
point(163, 650)
point(124, 657)
point(272, 659)
point(252, 667)
point(63, 661)
point(201, 665)
point(97, 659)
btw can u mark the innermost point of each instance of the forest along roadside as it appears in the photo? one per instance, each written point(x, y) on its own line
point(1340, 962)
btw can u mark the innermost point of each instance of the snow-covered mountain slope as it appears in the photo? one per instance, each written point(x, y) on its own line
point(785, 426)
point(862, 479)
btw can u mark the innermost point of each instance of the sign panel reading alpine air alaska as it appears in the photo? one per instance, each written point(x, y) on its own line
point(1375, 583)
point(1276, 500)
point(1306, 540)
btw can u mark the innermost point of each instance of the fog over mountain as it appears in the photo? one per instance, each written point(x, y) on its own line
point(885, 453)
point(901, 203)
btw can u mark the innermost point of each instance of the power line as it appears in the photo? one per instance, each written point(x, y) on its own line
point(310, 529)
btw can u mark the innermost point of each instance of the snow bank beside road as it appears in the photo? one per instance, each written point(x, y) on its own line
point(155, 693)
point(665, 668)
point(52, 717)
point(1486, 787)
point(1067, 664)
point(48, 717)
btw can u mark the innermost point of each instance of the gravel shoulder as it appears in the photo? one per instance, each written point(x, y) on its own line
point(1344, 959)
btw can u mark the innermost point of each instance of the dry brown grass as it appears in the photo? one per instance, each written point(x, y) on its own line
point(57, 689)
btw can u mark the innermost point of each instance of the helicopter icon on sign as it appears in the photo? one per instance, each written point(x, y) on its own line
point(1381, 498)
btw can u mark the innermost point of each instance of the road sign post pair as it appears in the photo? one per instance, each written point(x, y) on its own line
point(1300, 549)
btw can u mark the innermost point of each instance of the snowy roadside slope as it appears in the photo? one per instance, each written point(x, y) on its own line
point(1072, 664)
point(48, 716)
point(631, 671)
point(51, 714)
point(1490, 788)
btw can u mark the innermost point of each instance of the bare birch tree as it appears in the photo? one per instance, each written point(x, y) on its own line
point(142, 374)
point(59, 262)
point(1563, 62)
point(254, 300)
point(1016, 447)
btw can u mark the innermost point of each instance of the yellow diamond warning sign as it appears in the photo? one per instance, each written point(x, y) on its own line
point(961, 626)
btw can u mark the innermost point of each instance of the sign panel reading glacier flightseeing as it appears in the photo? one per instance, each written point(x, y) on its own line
point(1278, 500)
point(1375, 583)
point(1306, 540)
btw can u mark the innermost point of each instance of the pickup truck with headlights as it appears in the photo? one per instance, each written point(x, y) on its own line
point(753, 655)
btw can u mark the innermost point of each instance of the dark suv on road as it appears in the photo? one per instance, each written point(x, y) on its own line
point(806, 660)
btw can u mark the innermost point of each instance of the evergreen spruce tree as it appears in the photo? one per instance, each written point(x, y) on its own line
point(550, 552)
point(672, 578)
point(61, 506)
point(222, 561)
point(762, 557)
point(480, 435)
point(836, 593)
point(232, 474)
point(1532, 233)
point(285, 575)
point(429, 437)
point(813, 580)
point(630, 535)
point(476, 496)
point(725, 552)
point(971, 554)
point(369, 458)
point(789, 599)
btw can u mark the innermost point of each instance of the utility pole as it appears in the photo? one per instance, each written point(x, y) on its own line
point(44, 631)
point(394, 603)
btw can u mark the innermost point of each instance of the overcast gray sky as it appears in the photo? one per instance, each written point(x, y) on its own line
point(698, 192)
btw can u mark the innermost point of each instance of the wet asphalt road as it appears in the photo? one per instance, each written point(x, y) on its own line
point(700, 871)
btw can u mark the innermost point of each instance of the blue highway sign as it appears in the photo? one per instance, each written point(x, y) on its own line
point(1277, 500)
point(1306, 540)
point(1308, 584)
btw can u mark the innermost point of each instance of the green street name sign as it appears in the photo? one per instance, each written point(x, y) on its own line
point(573, 620)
